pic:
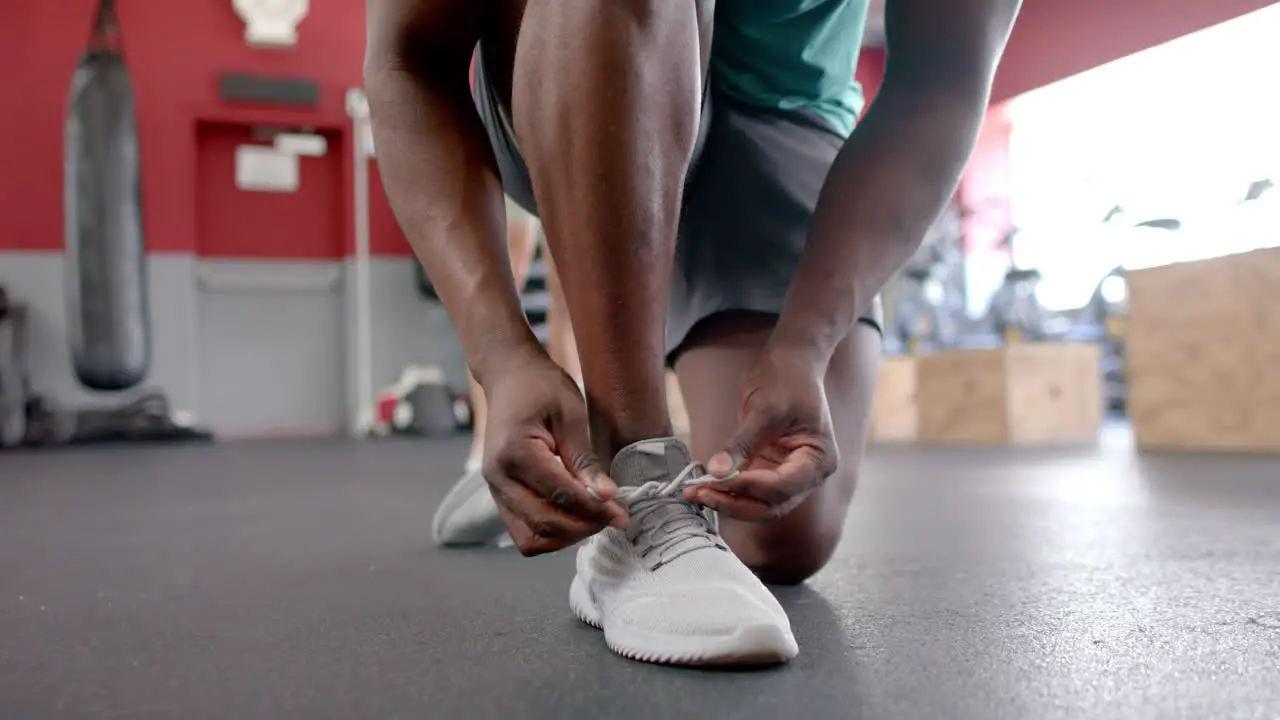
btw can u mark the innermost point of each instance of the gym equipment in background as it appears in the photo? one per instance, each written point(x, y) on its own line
point(1109, 309)
point(1257, 189)
point(1103, 319)
point(147, 418)
point(15, 384)
point(535, 298)
point(109, 327)
point(917, 318)
point(1015, 311)
point(30, 420)
point(419, 403)
point(924, 303)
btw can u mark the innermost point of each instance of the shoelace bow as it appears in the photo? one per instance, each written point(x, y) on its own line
point(662, 522)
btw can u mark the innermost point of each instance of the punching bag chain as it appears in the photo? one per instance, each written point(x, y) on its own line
point(105, 36)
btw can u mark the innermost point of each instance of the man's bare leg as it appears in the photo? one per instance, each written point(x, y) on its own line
point(608, 143)
point(561, 345)
point(606, 108)
point(711, 365)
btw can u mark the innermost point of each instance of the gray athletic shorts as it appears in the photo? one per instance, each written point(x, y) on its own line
point(749, 200)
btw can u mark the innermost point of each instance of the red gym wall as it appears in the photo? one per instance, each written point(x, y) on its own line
point(176, 52)
point(1055, 39)
point(178, 49)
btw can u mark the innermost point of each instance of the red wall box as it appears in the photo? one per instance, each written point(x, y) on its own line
point(231, 223)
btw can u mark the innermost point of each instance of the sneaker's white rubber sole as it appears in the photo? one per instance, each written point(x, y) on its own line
point(749, 646)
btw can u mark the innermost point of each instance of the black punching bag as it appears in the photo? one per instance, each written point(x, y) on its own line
point(109, 323)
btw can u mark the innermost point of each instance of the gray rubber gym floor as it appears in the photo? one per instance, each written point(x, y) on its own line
point(295, 580)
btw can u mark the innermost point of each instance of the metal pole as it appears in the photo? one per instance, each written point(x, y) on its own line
point(358, 109)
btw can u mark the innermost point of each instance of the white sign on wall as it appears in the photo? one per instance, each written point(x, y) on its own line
point(301, 144)
point(271, 23)
point(261, 168)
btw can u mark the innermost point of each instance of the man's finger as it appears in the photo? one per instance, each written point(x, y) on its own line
point(803, 470)
point(526, 540)
point(775, 485)
point(539, 517)
point(572, 436)
point(767, 486)
point(738, 507)
point(751, 434)
point(749, 509)
point(546, 477)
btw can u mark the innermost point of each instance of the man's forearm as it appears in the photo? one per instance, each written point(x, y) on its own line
point(901, 166)
point(439, 176)
point(887, 186)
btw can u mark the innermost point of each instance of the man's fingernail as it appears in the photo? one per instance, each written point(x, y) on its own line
point(619, 522)
point(720, 463)
point(595, 495)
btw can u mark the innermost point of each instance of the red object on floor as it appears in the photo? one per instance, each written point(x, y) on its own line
point(386, 408)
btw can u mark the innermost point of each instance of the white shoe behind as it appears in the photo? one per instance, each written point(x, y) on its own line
point(468, 515)
point(668, 589)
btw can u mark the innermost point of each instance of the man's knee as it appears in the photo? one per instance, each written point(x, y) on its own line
point(796, 565)
point(522, 240)
point(793, 549)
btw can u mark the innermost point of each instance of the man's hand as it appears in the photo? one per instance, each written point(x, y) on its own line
point(538, 458)
point(784, 448)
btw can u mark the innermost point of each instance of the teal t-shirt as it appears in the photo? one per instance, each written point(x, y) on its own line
point(791, 54)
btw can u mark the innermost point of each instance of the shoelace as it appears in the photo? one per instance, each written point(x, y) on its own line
point(663, 525)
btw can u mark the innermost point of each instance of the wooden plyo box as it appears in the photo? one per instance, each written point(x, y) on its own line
point(894, 417)
point(1025, 394)
point(1202, 352)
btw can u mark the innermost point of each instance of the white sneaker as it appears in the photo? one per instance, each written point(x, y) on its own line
point(668, 589)
point(468, 515)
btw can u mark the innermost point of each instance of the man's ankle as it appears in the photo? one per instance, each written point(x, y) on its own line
point(655, 458)
point(609, 442)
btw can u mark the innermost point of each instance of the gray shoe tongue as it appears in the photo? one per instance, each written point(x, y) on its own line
point(660, 459)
